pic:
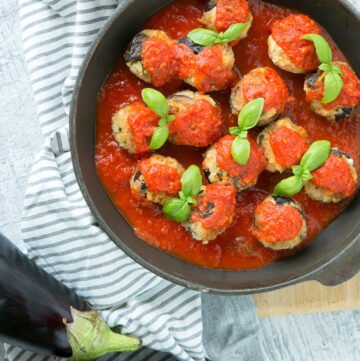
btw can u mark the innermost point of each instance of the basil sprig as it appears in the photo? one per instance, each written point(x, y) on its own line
point(206, 37)
point(248, 118)
point(159, 105)
point(316, 155)
point(333, 82)
point(178, 209)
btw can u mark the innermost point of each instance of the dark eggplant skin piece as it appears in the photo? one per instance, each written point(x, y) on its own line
point(134, 50)
point(196, 48)
point(33, 305)
point(39, 314)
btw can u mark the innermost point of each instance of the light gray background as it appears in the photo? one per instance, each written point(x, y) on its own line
point(318, 337)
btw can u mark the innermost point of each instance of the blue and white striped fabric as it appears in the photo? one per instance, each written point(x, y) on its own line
point(59, 231)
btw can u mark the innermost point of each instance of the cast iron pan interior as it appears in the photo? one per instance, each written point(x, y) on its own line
point(341, 21)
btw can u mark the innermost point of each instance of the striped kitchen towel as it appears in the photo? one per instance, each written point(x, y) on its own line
point(62, 236)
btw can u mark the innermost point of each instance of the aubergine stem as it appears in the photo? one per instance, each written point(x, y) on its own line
point(90, 337)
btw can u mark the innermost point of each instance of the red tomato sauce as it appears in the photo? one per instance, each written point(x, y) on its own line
point(266, 83)
point(335, 175)
point(277, 224)
point(143, 122)
point(288, 146)
point(199, 124)
point(159, 60)
point(248, 172)
point(236, 248)
point(349, 95)
point(223, 199)
point(230, 12)
point(160, 177)
point(287, 34)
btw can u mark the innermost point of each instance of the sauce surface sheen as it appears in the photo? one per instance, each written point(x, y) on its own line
point(236, 248)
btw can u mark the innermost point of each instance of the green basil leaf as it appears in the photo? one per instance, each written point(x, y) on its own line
point(306, 175)
point(316, 155)
point(297, 170)
point(232, 33)
point(191, 181)
point(323, 50)
point(234, 130)
point(159, 137)
point(325, 67)
point(170, 118)
point(240, 150)
point(191, 200)
point(155, 101)
point(162, 122)
point(288, 186)
point(250, 114)
point(182, 196)
point(177, 210)
point(333, 84)
point(204, 37)
point(336, 69)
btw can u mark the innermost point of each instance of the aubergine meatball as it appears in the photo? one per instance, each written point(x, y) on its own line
point(133, 127)
point(197, 121)
point(220, 167)
point(284, 144)
point(261, 83)
point(214, 213)
point(157, 179)
point(206, 68)
point(219, 15)
point(346, 101)
point(286, 48)
point(151, 57)
point(279, 223)
point(334, 181)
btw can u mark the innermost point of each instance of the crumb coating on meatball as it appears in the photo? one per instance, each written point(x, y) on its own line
point(157, 179)
point(220, 167)
point(197, 121)
point(261, 83)
point(346, 101)
point(286, 48)
point(284, 144)
point(133, 127)
point(214, 213)
point(279, 223)
point(334, 181)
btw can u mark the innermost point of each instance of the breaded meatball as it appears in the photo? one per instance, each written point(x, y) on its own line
point(133, 127)
point(286, 48)
point(221, 14)
point(261, 83)
point(157, 179)
point(151, 57)
point(279, 223)
point(206, 68)
point(346, 101)
point(215, 211)
point(334, 181)
point(197, 121)
point(220, 167)
point(284, 144)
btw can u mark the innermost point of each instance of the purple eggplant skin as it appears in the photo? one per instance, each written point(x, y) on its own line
point(33, 305)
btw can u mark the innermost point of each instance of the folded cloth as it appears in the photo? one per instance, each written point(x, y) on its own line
point(59, 231)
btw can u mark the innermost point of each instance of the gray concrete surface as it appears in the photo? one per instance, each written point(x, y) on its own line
point(317, 337)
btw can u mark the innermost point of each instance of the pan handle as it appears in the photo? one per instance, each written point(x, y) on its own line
point(342, 269)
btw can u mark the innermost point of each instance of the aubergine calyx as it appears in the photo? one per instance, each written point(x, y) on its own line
point(90, 337)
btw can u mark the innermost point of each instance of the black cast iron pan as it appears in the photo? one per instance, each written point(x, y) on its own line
point(331, 259)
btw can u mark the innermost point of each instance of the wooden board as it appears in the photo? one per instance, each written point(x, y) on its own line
point(309, 297)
